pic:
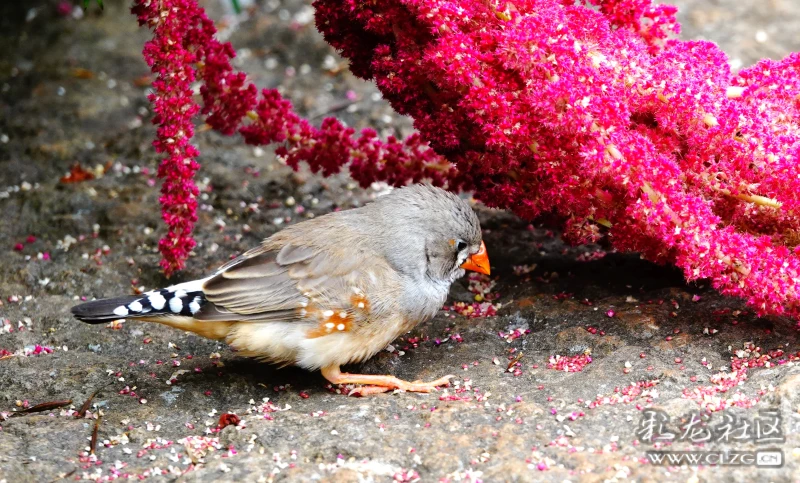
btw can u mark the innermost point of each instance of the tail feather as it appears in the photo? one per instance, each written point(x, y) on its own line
point(106, 310)
point(184, 299)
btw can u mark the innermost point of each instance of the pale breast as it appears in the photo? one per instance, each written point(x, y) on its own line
point(423, 299)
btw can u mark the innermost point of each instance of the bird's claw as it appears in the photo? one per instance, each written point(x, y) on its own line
point(375, 384)
point(419, 386)
point(400, 385)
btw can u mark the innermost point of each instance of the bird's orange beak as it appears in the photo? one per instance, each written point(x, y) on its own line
point(478, 262)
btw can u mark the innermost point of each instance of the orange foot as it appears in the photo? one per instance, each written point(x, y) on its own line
point(379, 384)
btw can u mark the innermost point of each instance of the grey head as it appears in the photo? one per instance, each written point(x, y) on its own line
point(426, 233)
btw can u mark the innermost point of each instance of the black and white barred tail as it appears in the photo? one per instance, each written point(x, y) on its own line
point(184, 299)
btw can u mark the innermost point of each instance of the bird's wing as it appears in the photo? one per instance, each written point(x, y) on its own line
point(281, 283)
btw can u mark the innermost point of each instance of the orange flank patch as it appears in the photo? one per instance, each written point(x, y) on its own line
point(330, 322)
point(360, 303)
point(339, 320)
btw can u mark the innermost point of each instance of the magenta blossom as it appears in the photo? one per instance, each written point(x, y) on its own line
point(184, 49)
point(550, 106)
point(543, 106)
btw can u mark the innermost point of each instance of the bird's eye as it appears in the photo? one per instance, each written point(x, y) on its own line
point(461, 245)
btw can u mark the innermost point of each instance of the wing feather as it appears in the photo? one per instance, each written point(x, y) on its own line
point(290, 254)
point(275, 282)
point(255, 267)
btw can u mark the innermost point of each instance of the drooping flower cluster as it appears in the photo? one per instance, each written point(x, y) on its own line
point(550, 106)
point(184, 49)
point(544, 106)
point(174, 111)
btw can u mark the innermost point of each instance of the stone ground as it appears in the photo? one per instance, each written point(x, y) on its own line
point(73, 91)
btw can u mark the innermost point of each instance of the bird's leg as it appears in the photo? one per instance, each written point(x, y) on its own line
point(379, 384)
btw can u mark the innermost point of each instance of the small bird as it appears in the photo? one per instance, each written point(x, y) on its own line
point(328, 291)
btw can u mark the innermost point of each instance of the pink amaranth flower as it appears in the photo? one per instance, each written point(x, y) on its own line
point(542, 106)
point(170, 57)
point(184, 49)
point(547, 105)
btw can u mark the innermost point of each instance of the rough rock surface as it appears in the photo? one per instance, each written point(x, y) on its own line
point(73, 91)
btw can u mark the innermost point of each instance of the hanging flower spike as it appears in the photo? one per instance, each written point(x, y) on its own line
point(184, 49)
point(174, 110)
